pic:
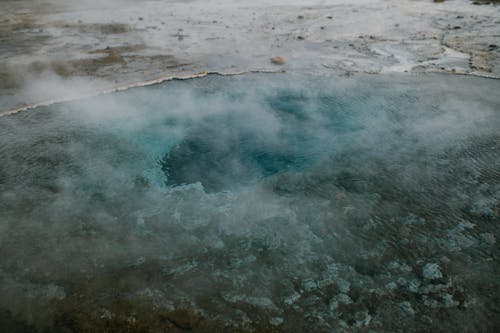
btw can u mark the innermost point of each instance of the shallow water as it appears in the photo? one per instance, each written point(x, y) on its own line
point(265, 201)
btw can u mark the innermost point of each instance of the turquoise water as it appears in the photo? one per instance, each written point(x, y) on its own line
point(284, 201)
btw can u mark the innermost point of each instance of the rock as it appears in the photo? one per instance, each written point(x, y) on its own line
point(448, 301)
point(325, 282)
point(311, 302)
point(445, 259)
point(405, 268)
point(393, 265)
point(276, 321)
point(368, 266)
point(55, 292)
point(292, 298)
point(464, 241)
point(340, 299)
point(243, 317)
point(404, 231)
point(263, 302)
point(182, 318)
point(362, 319)
point(426, 319)
point(309, 285)
point(413, 286)
point(278, 60)
point(413, 219)
point(488, 238)
point(431, 271)
point(391, 286)
point(431, 302)
point(406, 308)
point(344, 285)
point(433, 288)
point(106, 314)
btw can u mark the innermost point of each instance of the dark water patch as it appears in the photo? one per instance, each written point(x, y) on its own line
point(8, 324)
point(224, 153)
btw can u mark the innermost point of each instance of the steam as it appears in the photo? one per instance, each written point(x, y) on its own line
point(82, 184)
point(331, 202)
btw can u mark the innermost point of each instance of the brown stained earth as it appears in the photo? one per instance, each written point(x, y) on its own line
point(102, 301)
point(120, 59)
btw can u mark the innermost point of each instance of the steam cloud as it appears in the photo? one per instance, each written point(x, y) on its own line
point(378, 169)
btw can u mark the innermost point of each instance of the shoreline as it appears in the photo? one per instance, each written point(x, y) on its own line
point(139, 84)
point(160, 80)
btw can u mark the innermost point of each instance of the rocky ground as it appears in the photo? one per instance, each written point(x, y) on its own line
point(50, 48)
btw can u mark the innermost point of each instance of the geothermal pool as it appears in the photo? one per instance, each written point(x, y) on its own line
point(259, 202)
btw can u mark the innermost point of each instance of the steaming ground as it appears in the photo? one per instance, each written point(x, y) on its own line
point(312, 204)
point(254, 203)
point(49, 46)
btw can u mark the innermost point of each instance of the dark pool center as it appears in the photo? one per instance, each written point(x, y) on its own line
point(257, 135)
point(284, 201)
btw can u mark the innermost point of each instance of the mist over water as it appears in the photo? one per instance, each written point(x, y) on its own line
point(303, 203)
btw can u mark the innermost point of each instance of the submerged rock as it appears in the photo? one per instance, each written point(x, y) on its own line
point(431, 271)
point(182, 318)
point(339, 300)
point(276, 321)
point(55, 292)
point(448, 301)
point(488, 238)
point(407, 309)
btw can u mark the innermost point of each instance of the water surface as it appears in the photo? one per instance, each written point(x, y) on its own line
point(287, 202)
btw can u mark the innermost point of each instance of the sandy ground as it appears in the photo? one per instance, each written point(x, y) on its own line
point(52, 50)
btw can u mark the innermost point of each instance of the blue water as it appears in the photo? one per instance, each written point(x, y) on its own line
point(314, 203)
